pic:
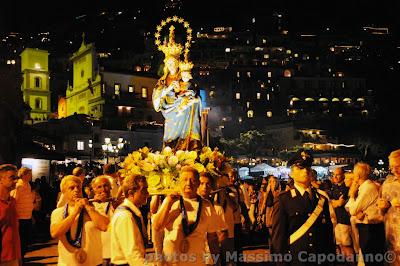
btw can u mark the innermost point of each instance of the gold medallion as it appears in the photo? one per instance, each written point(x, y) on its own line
point(184, 246)
point(80, 256)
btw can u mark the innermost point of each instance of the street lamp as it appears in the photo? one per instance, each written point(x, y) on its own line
point(90, 145)
point(108, 147)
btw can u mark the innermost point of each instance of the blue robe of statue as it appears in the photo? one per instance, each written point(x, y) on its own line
point(182, 113)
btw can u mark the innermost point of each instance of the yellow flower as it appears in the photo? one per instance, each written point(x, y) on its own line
point(173, 160)
point(199, 167)
point(136, 156)
point(154, 179)
point(148, 167)
point(188, 162)
point(180, 154)
point(167, 151)
point(192, 155)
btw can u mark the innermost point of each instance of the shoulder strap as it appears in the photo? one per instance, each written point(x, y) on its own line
point(309, 222)
point(137, 219)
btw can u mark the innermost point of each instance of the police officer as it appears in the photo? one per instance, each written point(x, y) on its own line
point(301, 228)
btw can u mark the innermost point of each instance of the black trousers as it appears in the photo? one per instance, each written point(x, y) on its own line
point(238, 240)
point(25, 234)
point(372, 242)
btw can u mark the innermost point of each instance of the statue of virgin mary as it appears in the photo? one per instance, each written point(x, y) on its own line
point(174, 97)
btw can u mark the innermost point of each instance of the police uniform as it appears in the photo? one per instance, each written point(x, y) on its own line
point(290, 212)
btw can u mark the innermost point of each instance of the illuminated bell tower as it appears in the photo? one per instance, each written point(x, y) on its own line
point(36, 83)
point(85, 94)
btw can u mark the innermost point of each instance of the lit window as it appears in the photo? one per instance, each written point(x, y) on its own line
point(250, 113)
point(227, 50)
point(237, 95)
point(117, 88)
point(249, 74)
point(340, 74)
point(144, 92)
point(264, 41)
point(38, 103)
point(296, 55)
point(287, 73)
point(238, 74)
point(240, 120)
point(38, 82)
point(269, 74)
point(258, 96)
point(130, 88)
point(288, 51)
point(262, 85)
point(266, 56)
point(80, 145)
point(248, 104)
point(343, 84)
point(267, 96)
point(212, 94)
point(269, 114)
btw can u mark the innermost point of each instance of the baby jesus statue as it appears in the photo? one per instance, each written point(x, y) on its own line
point(185, 90)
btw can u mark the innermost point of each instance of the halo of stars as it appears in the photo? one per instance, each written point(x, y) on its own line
point(179, 20)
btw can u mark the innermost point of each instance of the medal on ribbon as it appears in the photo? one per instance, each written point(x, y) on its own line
point(80, 254)
point(188, 228)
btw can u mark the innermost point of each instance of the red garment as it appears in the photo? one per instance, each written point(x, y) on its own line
point(10, 244)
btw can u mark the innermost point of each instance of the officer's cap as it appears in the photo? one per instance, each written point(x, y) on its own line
point(301, 158)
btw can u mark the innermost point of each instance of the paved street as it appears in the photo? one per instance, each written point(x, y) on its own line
point(46, 254)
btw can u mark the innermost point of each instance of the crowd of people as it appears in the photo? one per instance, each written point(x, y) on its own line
point(349, 219)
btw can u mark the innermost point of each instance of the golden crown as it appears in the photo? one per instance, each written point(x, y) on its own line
point(186, 65)
point(171, 48)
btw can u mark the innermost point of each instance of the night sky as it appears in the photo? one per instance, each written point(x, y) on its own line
point(343, 15)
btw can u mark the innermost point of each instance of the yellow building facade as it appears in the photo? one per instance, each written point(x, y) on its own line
point(36, 83)
point(84, 96)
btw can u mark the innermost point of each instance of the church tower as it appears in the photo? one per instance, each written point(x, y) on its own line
point(36, 83)
point(85, 94)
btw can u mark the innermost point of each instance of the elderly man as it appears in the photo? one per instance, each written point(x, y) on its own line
point(369, 220)
point(128, 232)
point(301, 224)
point(10, 252)
point(188, 223)
point(80, 173)
point(24, 198)
point(103, 203)
point(77, 225)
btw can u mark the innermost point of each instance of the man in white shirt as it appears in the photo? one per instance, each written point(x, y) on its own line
point(204, 190)
point(364, 207)
point(188, 223)
point(77, 226)
point(128, 232)
point(103, 203)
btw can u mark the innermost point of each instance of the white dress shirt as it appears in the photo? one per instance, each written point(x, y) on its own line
point(127, 245)
point(101, 207)
point(368, 193)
